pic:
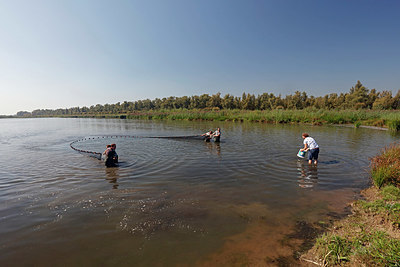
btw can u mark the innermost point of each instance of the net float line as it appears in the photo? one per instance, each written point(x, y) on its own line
point(94, 153)
point(98, 154)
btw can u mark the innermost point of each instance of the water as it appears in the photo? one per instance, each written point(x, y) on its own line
point(248, 200)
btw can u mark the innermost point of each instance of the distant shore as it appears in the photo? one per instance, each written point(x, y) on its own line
point(357, 118)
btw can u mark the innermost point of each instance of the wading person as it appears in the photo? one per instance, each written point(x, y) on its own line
point(111, 158)
point(217, 135)
point(312, 147)
point(103, 156)
point(207, 136)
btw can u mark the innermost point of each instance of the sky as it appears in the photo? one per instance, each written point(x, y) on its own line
point(62, 54)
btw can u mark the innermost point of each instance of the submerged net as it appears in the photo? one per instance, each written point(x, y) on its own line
point(99, 154)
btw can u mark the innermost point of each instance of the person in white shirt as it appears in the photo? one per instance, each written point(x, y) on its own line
point(312, 147)
point(207, 136)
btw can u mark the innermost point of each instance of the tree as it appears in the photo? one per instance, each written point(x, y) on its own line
point(228, 102)
point(215, 101)
point(358, 97)
point(383, 101)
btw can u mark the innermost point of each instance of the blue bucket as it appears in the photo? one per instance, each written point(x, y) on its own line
point(301, 154)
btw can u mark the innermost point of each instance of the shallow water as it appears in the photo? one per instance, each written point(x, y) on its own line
point(172, 201)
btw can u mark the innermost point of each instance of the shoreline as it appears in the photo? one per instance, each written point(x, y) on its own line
point(370, 234)
point(384, 121)
point(345, 241)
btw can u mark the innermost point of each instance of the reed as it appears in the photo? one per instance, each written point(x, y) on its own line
point(385, 167)
point(389, 119)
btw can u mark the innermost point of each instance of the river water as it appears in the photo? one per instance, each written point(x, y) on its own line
point(172, 202)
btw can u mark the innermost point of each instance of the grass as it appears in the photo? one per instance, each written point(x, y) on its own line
point(377, 248)
point(335, 248)
point(363, 238)
point(370, 248)
point(385, 168)
point(389, 210)
point(394, 125)
point(391, 193)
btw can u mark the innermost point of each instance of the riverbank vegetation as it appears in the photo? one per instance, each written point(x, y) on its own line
point(360, 106)
point(385, 168)
point(370, 236)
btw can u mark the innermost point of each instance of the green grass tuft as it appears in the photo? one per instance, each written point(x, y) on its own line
point(385, 168)
point(372, 248)
point(336, 249)
point(390, 193)
point(378, 249)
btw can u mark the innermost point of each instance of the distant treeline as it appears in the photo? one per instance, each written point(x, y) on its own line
point(359, 97)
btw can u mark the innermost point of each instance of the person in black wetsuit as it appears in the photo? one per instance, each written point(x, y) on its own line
point(111, 157)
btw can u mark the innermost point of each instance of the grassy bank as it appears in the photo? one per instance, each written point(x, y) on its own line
point(388, 119)
point(370, 236)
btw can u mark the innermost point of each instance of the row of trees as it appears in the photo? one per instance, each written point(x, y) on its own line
point(359, 97)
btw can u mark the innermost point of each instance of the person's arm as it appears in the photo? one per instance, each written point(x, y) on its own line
point(305, 147)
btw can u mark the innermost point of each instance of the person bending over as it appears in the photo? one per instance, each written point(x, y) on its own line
point(312, 147)
point(207, 136)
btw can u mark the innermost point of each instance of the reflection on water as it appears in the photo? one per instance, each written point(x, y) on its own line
point(308, 174)
point(171, 201)
point(214, 148)
point(112, 176)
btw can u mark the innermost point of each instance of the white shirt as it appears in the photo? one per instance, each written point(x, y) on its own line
point(311, 144)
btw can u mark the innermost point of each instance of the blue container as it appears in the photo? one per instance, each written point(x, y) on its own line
point(301, 154)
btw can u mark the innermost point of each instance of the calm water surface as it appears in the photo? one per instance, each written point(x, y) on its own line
point(248, 200)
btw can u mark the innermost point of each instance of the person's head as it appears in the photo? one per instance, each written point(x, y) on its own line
point(113, 146)
point(305, 135)
point(210, 131)
point(108, 146)
point(218, 129)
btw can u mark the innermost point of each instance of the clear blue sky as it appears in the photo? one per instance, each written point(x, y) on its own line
point(61, 54)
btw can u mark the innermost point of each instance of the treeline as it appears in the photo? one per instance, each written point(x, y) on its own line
point(359, 97)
